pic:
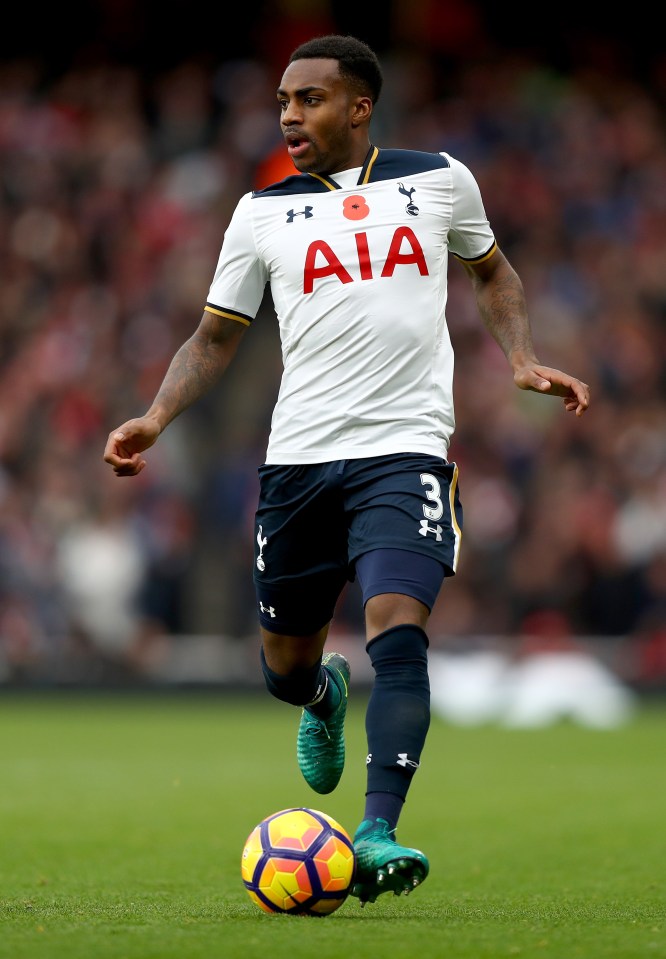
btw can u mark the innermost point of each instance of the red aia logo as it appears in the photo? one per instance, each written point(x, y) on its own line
point(322, 261)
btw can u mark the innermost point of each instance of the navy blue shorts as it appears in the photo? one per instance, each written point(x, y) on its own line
point(395, 521)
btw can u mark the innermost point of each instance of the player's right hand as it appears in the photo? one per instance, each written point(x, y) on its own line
point(126, 443)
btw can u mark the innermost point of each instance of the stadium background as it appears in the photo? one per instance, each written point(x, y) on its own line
point(128, 131)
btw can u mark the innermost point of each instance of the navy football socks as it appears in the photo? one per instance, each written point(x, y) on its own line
point(307, 686)
point(397, 718)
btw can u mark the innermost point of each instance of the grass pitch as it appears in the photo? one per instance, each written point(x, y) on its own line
point(123, 818)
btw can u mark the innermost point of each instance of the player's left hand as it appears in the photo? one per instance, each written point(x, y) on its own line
point(544, 379)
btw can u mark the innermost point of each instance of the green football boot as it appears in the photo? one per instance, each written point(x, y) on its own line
point(320, 747)
point(384, 866)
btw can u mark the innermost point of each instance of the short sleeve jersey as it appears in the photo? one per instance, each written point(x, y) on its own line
point(357, 267)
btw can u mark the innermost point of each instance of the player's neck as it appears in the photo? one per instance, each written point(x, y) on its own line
point(355, 158)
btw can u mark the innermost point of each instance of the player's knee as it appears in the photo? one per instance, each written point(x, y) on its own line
point(297, 687)
point(399, 657)
point(398, 643)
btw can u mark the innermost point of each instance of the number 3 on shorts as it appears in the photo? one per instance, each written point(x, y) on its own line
point(433, 494)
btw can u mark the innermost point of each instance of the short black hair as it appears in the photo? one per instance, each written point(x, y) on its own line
point(356, 61)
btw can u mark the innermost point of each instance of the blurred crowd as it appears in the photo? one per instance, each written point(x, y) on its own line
point(115, 190)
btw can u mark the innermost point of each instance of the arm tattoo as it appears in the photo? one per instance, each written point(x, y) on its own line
point(503, 309)
point(198, 364)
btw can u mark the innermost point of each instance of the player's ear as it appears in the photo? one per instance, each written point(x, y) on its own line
point(362, 111)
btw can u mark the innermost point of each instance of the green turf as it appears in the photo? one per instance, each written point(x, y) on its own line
point(122, 821)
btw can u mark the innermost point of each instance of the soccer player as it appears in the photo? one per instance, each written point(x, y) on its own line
point(356, 481)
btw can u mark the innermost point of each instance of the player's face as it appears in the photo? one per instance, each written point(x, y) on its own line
point(319, 116)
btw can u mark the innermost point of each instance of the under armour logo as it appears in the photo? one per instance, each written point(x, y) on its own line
point(261, 540)
point(267, 609)
point(404, 761)
point(307, 213)
point(411, 208)
point(427, 528)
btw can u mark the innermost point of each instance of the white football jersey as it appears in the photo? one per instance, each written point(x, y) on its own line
point(357, 266)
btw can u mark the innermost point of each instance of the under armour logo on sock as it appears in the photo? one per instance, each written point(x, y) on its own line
point(403, 760)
